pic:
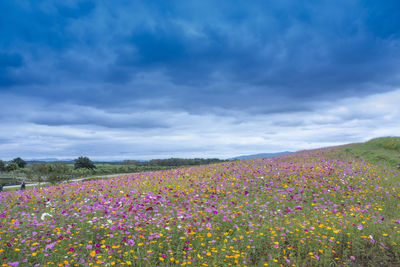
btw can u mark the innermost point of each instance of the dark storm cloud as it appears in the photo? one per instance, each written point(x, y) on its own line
point(201, 55)
point(46, 23)
point(37, 112)
point(9, 62)
point(104, 120)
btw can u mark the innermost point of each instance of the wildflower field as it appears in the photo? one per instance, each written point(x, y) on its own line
point(312, 208)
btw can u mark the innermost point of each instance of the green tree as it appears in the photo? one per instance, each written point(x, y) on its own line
point(40, 171)
point(2, 166)
point(11, 166)
point(58, 172)
point(84, 163)
point(20, 162)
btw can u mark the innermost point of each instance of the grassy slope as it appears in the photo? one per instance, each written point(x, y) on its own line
point(383, 150)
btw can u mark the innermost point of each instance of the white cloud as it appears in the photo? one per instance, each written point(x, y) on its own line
point(190, 135)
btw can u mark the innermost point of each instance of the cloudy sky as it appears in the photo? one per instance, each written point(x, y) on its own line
point(158, 79)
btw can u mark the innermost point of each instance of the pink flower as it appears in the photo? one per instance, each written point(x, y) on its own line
point(360, 227)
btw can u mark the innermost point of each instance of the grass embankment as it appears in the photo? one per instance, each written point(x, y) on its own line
point(382, 151)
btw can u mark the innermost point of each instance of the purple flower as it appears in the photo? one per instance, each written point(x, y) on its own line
point(51, 245)
point(360, 227)
point(372, 239)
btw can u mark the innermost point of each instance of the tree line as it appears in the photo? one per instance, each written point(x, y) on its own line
point(12, 165)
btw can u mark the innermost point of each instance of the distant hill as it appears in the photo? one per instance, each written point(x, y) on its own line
point(384, 150)
point(261, 155)
point(48, 160)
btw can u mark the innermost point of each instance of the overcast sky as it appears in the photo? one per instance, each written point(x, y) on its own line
point(158, 79)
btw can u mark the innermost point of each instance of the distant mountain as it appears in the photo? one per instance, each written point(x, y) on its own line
point(261, 155)
point(48, 160)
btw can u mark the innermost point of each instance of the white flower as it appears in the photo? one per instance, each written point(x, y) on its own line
point(44, 216)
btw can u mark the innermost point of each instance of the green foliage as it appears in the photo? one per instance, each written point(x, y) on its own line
point(20, 162)
point(2, 166)
point(81, 172)
point(40, 172)
point(52, 173)
point(11, 166)
point(384, 150)
point(58, 172)
point(84, 162)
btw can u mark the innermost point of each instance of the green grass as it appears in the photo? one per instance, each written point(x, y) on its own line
point(383, 151)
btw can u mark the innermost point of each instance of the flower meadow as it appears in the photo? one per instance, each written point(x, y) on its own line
point(311, 208)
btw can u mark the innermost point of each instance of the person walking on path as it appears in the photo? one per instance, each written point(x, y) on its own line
point(23, 185)
point(1, 188)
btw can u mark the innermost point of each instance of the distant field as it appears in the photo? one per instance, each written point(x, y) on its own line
point(311, 208)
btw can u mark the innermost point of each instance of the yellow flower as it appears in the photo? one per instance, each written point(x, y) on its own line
point(209, 235)
point(93, 253)
point(34, 254)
